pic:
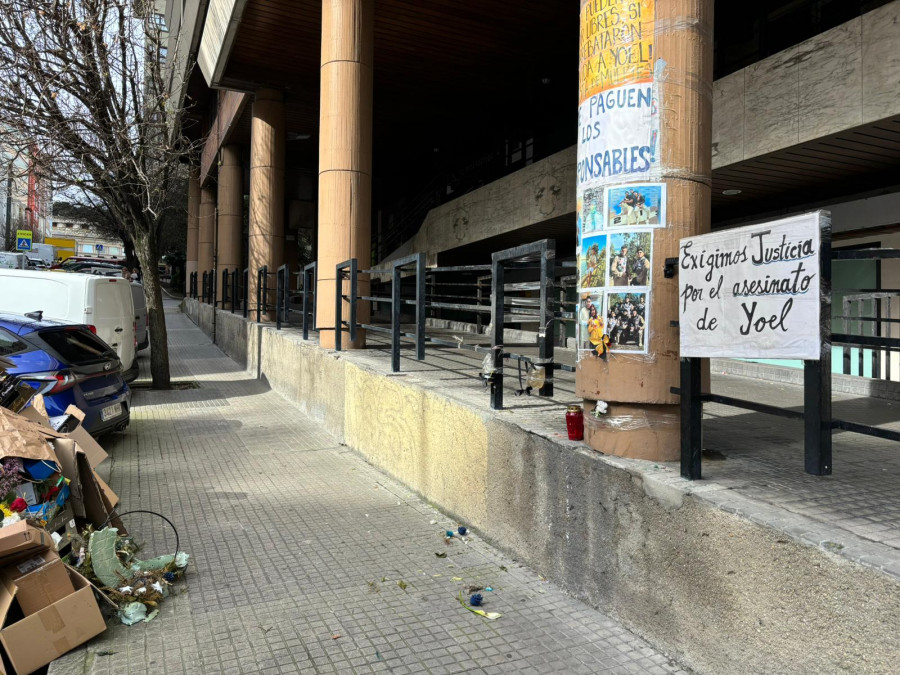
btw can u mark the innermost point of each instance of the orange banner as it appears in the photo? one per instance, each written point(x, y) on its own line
point(616, 45)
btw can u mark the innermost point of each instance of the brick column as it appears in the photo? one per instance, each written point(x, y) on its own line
point(345, 153)
point(207, 233)
point(231, 207)
point(193, 226)
point(664, 58)
point(266, 240)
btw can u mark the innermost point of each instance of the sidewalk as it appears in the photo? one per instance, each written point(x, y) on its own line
point(306, 559)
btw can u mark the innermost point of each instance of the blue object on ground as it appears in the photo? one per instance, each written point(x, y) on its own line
point(462, 530)
point(40, 469)
point(476, 600)
point(449, 533)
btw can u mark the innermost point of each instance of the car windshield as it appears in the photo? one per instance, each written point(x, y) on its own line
point(77, 345)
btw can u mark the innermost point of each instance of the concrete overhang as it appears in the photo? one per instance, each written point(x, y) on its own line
point(222, 21)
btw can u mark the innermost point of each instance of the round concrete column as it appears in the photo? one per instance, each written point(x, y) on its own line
point(345, 155)
point(206, 233)
point(193, 226)
point(266, 240)
point(231, 208)
point(673, 56)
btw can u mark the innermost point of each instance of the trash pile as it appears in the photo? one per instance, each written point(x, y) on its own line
point(63, 545)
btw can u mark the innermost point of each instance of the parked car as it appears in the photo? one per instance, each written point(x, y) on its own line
point(141, 319)
point(90, 265)
point(35, 263)
point(103, 303)
point(73, 259)
point(70, 366)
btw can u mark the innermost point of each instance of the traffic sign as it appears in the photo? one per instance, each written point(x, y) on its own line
point(99, 248)
point(23, 240)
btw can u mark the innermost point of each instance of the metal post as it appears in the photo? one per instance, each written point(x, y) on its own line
point(203, 295)
point(497, 319)
point(213, 279)
point(817, 374)
point(546, 337)
point(309, 280)
point(338, 306)
point(395, 318)
point(262, 275)
point(420, 306)
point(246, 291)
point(286, 294)
point(224, 287)
point(691, 419)
point(353, 295)
point(234, 289)
point(279, 297)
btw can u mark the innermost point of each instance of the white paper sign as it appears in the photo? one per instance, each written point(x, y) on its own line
point(616, 136)
point(752, 292)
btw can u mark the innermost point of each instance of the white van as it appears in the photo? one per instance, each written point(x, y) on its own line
point(104, 303)
point(12, 260)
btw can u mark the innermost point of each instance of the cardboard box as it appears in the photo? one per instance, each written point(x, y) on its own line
point(40, 580)
point(34, 641)
point(22, 538)
point(90, 497)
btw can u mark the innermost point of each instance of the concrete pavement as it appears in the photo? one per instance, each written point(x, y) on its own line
point(307, 559)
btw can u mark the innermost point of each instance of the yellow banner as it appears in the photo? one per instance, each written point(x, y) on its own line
point(616, 45)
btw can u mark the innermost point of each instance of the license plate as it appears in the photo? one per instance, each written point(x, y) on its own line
point(111, 411)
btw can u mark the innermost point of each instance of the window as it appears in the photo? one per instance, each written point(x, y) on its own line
point(77, 346)
point(87, 248)
point(159, 21)
point(9, 344)
point(114, 250)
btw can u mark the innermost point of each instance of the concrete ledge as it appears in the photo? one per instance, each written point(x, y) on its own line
point(718, 581)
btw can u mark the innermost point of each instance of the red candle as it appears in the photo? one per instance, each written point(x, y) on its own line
point(575, 422)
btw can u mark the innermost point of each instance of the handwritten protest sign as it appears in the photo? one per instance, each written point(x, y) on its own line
point(752, 292)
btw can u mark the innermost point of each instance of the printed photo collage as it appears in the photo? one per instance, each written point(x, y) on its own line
point(615, 227)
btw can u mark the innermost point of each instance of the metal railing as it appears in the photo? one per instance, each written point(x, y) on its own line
point(817, 417)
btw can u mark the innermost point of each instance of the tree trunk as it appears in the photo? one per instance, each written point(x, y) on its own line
point(145, 247)
point(131, 259)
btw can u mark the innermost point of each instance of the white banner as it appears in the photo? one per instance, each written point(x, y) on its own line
point(752, 292)
point(616, 139)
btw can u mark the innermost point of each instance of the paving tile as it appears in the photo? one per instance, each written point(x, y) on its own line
point(287, 532)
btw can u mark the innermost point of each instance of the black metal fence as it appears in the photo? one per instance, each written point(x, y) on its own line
point(819, 423)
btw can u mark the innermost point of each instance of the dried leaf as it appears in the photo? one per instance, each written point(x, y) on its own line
point(441, 555)
point(401, 584)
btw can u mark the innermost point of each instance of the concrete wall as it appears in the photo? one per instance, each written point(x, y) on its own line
point(839, 79)
point(539, 192)
point(722, 593)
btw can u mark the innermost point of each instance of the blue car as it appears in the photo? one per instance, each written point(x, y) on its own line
point(70, 366)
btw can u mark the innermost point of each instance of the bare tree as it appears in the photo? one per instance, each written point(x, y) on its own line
point(84, 86)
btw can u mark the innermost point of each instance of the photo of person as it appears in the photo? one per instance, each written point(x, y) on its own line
point(629, 258)
point(626, 321)
point(641, 205)
point(590, 210)
point(590, 310)
point(592, 262)
point(592, 335)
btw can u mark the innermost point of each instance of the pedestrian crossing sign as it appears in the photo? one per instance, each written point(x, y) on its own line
point(23, 240)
